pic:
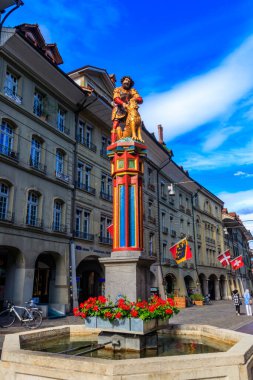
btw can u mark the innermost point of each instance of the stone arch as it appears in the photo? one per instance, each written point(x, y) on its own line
point(47, 269)
point(12, 264)
point(223, 287)
point(203, 284)
point(189, 284)
point(213, 287)
point(90, 278)
point(170, 283)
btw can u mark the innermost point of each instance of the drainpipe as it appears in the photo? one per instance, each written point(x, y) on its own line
point(72, 272)
point(195, 237)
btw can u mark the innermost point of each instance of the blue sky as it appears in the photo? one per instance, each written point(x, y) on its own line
point(192, 61)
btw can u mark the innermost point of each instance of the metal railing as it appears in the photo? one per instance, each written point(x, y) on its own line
point(165, 230)
point(151, 219)
point(103, 153)
point(63, 129)
point(173, 233)
point(37, 165)
point(4, 150)
point(106, 196)
point(62, 228)
point(84, 235)
point(151, 186)
point(6, 216)
point(105, 240)
point(62, 176)
point(11, 94)
point(85, 187)
point(87, 143)
point(34, 222)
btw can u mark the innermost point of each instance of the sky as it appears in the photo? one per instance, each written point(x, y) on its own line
point(192, 62)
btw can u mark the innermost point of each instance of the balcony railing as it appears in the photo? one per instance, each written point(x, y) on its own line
point(210, 240)
point(190, 238)
point(173, 233)
point(103, 153)
point(62, 176)
point(34, 222)
point(63, 129)
point(164, 197)
point(165, 230)
point(106, 196)
point(84, 235)
point(87, 143)
point(169, 262)
point(182, 235)
point(151, 186)
point(85, 187)
point(188, 211)
point(199, 236)
point(11, 94)
point(59, 228)
point(4, 150)
point(37, 165)
point(105, 240)
point(151, 219)
point(181, 208)
point(7, 217)
point(171, 201)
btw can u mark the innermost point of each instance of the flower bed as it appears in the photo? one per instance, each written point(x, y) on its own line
point(102, 307)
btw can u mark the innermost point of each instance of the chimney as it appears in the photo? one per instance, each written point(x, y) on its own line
point(160, 134)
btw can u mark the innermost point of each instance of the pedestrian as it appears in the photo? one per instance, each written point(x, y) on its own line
point(237, 301)
point(248, 302)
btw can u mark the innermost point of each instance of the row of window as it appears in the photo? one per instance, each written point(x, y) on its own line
point(40, 109)
point(33, 215)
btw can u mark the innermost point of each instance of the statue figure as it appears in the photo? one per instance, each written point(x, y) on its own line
point(123, 109)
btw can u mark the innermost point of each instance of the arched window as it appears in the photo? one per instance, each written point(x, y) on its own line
point(4, 201)
point(6, 138)
point(59, 162)
point(35, 158)
point(57, 219)
point(32, 209)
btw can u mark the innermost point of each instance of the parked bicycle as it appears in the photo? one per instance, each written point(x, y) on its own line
point(30, 316)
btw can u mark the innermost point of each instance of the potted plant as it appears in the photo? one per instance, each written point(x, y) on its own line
point(140, 316)
point(197, 299)
point(180, 301)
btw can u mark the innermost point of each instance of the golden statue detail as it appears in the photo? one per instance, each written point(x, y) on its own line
point(126, 102)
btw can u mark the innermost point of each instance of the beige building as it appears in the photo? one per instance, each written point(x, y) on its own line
point(37, 141)
point(236, 240)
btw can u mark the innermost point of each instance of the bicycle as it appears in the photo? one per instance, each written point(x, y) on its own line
point(31, 316)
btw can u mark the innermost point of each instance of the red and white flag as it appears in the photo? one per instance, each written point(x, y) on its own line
point(224, 258)
point(237, 263)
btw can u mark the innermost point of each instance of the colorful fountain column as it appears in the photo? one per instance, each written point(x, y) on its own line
point(127, 169)
point(127, 270)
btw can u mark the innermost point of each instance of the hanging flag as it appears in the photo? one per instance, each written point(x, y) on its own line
point(181, 251)
point(237, 263)
point(224, 258)
point(110, 230)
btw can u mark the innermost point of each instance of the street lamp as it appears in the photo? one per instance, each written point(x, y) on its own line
point(4, 4)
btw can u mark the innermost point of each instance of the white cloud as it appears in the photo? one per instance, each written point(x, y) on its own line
point(235, 156)
point(243, 174)
point(204, 98)
point(241, 203)
point(216, 139)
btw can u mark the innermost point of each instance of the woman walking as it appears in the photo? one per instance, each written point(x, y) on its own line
point(247, 301)
point(237, 301)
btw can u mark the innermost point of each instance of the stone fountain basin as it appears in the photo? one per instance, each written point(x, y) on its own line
point(234, 364)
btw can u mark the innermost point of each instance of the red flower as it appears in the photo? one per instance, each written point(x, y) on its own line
point(108, 314)
point(171, 301)
point(152, 308)
point(95, 308)
point(134, 313)
point(102, 299)
point(168, 311)
point(118, 315)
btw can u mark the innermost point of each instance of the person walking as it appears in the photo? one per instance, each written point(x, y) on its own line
point(237, 301)
point(248, 302)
